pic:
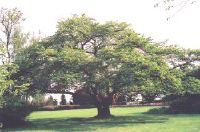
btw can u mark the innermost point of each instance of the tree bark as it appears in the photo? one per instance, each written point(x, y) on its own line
point(103, 111)
point(7, 47)
point(103, 103)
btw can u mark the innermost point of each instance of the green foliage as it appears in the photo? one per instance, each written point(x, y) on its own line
point(4, 83)
point(192, 85)
point(14, 110)
point(104, 59)
point(19, 40)
point(13, 39)
point(184, 65)
point(10, 20)
point(8, 86)
point(38, 100)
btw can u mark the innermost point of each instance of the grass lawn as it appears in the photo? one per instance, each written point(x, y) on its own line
point(132, 119)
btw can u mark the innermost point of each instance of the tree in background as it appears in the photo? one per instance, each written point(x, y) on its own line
point(10, 20)
point(10, 44)
point(185, 63)
point(19, 40)
point(12, 107)
point(63, 100)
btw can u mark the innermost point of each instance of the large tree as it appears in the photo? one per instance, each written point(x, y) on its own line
point(104, 59)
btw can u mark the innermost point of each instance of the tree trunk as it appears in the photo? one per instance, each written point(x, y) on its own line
point(103, 111)
point(103, 105)
point(7, 46)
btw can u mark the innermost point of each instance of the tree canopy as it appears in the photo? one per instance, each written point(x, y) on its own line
point(105, 59)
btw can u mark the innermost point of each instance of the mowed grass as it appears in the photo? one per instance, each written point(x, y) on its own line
point(131, 119)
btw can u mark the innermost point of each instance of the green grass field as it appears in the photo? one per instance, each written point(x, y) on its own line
point(132, 119)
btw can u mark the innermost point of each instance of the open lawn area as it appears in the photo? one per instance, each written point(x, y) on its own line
point(131, 119)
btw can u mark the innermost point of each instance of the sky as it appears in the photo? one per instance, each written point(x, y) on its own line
point(182, 29)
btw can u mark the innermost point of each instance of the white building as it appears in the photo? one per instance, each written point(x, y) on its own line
point(57, 97)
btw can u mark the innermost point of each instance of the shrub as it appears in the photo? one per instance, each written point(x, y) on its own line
point(50, 101)
point(55, 102)
point(184, 104)
point(64, 107)
point(162, 110)
point(38, 100)
point(14, 111)
point(63, 100)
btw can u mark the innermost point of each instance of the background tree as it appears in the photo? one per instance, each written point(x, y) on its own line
point(186, 64)
point(12, 40)
point(12, 107)
point(19, 40)
point(63, 100)
point(9, 20)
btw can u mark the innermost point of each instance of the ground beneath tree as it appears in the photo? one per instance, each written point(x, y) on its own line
point(125, 119)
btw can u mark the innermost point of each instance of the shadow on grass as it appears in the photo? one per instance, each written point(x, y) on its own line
point(159, 111)
point(91, 124)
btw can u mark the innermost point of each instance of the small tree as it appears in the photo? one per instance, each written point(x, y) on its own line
point(63, 100)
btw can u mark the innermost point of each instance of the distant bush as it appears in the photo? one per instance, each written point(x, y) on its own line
point(38, 100)
point(50, 101)
point(55, 102)
point(64, 107)
point(162, 110)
